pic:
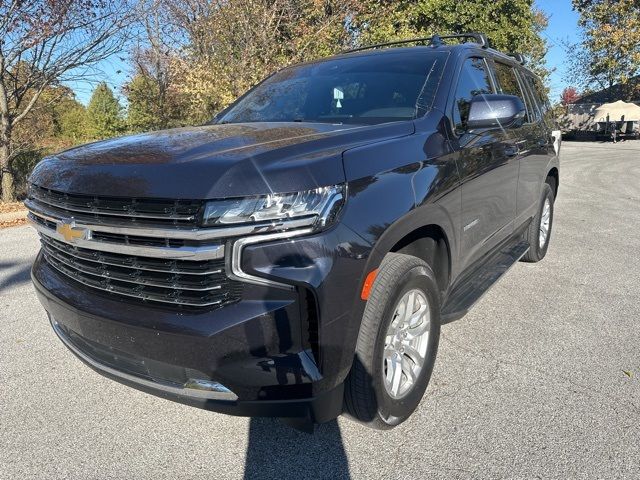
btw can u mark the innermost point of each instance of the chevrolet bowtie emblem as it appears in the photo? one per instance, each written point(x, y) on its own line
point(70, 232)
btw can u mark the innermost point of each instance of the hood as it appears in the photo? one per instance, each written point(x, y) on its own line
point(211, 161)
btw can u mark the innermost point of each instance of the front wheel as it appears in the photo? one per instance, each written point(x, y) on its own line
point(397, 344)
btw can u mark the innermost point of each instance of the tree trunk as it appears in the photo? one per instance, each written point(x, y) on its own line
point(7, 188)
point(8, 194)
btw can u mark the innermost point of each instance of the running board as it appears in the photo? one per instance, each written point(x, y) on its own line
point(471, 288)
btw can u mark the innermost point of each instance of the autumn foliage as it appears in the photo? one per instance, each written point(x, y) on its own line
point(568, 96)
point(609, 53)
point(42, 44)
point(191, 58)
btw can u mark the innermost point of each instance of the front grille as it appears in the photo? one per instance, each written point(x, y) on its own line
point(137, 240)
point(120, 238)
point(178, 282)
point(125, 211)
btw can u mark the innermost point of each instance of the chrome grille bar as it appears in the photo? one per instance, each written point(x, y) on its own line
point(111, 274)
point(195, 253)
point(136, 293)
point(137, 263)
point(194, 234)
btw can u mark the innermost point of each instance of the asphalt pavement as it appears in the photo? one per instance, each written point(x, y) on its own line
point(540, 380)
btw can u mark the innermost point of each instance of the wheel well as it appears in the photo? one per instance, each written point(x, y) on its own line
point(430, 244)
point(553, 179)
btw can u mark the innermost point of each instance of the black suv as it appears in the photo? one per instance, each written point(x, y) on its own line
point(296, 257)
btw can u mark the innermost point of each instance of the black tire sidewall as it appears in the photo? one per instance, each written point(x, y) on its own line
point(394, 411)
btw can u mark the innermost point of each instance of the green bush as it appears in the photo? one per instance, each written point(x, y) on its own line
point(22, 166)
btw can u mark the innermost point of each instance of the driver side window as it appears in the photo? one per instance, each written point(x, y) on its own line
point(474, 80)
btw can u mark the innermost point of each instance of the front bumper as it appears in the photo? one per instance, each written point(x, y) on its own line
point(277, 352)
point(210, 395)
point(191, 388)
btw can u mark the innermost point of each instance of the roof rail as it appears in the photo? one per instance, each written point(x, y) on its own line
point(518, 58)
point(436, 40)
point(479, 38)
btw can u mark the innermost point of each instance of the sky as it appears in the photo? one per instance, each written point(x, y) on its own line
point(562, 29)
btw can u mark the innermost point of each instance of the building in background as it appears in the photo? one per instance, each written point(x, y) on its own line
point(606, 113)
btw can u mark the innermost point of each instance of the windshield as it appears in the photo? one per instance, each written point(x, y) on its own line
point(359, 89)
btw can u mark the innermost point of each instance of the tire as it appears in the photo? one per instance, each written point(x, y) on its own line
point(538, 250)
point(368, 392)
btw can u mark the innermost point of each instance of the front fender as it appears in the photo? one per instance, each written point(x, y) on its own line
point(395, 189)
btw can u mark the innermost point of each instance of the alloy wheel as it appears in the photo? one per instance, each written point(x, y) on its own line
point(406, 343)
point(545, 223)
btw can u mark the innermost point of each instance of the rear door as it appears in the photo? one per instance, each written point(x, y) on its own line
point(488, 169)
point(549, 136)
point(533, 139)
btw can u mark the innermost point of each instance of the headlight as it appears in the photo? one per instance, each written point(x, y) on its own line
point(317, 206)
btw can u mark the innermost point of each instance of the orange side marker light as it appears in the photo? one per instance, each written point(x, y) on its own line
point(368, 283)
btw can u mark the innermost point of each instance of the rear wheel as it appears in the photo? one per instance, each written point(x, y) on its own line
point(539, 232)
point(397, 344)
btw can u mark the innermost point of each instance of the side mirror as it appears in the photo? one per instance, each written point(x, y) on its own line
point(495, 111)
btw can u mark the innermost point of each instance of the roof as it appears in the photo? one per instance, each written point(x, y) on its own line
point(627, 91)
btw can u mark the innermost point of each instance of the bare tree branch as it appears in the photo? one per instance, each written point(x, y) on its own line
point(43, 43)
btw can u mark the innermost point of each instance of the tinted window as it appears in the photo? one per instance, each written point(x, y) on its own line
point(538, 93)
point(366, 89)
point(474, 80)
point(542, 93)
point(508, 84)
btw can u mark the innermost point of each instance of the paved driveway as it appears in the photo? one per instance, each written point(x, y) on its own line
point(531, 383)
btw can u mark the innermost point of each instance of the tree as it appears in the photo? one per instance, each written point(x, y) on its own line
point(43, 43)
point(511, 25)
point(44, 130)
point(568, 96)
point(143, 112)
point(149, 109)
point(153, 97)
point(103, 113)
point(201, 55)
point(70, 121)
point(225, 47)
point(609, 52)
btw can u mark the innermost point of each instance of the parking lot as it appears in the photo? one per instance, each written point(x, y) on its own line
point(540, 380)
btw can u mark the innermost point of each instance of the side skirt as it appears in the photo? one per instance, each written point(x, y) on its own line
point(474, 285)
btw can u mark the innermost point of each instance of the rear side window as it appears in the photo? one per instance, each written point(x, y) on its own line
point(540, 96)
point(474, 80)
point(508, 85)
